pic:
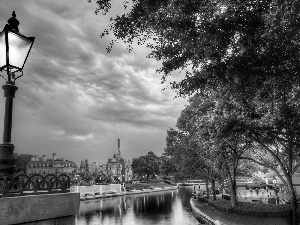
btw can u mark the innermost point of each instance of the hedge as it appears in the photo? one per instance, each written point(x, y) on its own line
point(248, 208)
point(137, 186)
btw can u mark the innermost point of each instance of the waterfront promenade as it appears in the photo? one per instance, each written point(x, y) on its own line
point(214, 217)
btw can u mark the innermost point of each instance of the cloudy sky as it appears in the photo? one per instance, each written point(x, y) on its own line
point(75, 99)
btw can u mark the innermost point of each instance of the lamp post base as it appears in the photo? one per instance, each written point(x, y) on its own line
point(7, 160)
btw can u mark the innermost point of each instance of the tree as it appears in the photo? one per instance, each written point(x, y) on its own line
point(168, 167)
point(146, 165)
point(138, 166)
point(21, 161)
point(189, 161)
point(175, 150)
point(219, 150)
point(276, 131)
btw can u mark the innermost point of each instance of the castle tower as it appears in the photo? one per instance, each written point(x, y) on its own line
point(119, 151)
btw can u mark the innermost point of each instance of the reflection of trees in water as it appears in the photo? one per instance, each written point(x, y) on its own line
point(186, 194)
point(107, 206)
point(153, 204)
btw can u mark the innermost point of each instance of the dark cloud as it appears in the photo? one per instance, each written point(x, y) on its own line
point(56, 7)
point(74, 98)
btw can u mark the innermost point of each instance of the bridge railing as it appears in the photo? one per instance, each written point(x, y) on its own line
point(33, 185)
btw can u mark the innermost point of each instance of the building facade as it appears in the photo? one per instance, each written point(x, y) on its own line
point(94, 167)
point(121, 168)
point(44, 166)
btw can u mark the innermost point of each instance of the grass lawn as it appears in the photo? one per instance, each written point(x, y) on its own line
point(248, 218)
point(241, 219)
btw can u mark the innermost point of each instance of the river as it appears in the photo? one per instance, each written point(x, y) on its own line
point(159, 208)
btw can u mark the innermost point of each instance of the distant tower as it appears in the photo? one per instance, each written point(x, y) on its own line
point(87, 165)
point(119, 151)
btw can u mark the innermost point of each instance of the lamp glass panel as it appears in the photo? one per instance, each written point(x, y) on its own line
point(2, 49)
point(18, 49)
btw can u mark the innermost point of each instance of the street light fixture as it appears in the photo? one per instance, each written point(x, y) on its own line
point(14, 50)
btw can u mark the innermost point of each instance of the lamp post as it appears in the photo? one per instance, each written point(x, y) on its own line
point(14, 50)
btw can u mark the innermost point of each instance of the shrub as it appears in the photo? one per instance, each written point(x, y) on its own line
point(254, 209)
point(169, 182)
point(226, 196)
point(217, 192)
point(156, 180)
point(202, 199)
point(222, 205)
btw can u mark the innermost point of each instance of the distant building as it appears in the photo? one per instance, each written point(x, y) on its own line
point(42, 165)
point(243, 179)
point(271, 178)
point(121, 168)
point(94, 167)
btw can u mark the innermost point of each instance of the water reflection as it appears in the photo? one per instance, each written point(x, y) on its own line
point(161, 208)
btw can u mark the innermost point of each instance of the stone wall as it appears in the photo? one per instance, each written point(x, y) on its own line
point(102, 189)
point(202, 216)
point(38, 207)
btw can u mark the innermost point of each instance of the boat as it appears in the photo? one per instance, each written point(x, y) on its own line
point(89, 195)
point(111, 193)
point(98, 195)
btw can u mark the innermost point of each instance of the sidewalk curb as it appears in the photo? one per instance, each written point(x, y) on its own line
point(198, 214)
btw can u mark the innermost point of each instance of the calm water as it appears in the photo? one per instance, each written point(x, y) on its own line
point(161, 208)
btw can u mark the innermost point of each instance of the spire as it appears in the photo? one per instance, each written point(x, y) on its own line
point(119, 151)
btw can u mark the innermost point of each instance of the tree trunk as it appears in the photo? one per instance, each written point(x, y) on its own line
point(213, 188)
point(207, 190)
point(294, 208)
point(233, 198)
point(232, 181)
point(293, 199)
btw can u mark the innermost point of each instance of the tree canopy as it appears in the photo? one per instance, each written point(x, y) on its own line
point(148, 165)
point(243, 44)
point(21, 161)
point(242, 53)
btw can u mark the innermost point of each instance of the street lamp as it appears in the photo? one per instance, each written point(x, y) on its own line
point(14, 50)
